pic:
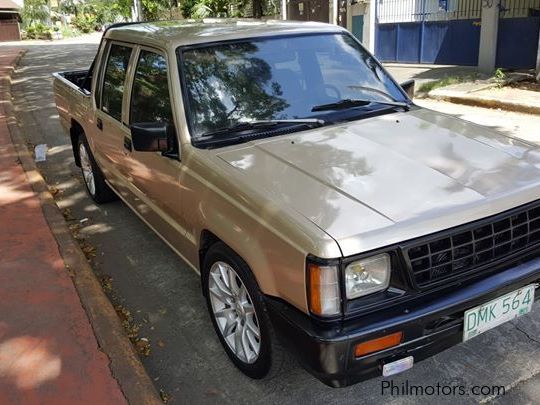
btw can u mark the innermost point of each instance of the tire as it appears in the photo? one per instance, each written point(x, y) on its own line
point(93, 178)
point(269, 360)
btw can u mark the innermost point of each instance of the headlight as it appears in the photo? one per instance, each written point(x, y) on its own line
point(367, 276)
point(323, 289)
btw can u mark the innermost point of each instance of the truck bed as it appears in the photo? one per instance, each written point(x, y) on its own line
point(79, 78)
point(72, 96)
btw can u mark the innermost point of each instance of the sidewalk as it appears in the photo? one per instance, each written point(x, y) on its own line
point(48, 351)
point(482, 95)
point(425, 73)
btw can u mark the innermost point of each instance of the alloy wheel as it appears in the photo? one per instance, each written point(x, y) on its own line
point(234, 312)
point(86, 167)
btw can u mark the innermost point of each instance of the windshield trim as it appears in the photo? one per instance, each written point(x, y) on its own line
point(183, 84)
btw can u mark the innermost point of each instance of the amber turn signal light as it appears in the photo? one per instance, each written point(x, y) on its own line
point(323, 290)
point(378, 344)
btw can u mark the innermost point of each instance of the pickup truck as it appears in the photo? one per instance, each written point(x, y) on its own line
point(328, 216)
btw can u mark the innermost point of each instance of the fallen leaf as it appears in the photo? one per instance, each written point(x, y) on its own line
point(164, 396)
point(106, 283)
point(143, 347)
point(53, 190)
point(68, 216)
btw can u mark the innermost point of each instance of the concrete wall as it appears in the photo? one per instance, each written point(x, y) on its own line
point(368, 33)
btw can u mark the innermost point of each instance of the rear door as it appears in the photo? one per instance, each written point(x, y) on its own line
point(111, 129)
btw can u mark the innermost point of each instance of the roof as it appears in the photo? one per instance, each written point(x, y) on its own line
point(9, 5)
point(185, 32)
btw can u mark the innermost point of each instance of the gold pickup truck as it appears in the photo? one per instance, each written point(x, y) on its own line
point(325, 212)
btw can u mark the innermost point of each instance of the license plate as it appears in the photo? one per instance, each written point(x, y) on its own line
point(493, 313)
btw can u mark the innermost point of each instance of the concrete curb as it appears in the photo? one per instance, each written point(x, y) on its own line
point(125, 364)
point(485, 102)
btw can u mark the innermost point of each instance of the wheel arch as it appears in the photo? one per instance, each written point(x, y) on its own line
point(75, 131)
point(207, 240)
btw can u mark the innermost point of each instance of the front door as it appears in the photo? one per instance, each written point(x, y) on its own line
point(155, 178)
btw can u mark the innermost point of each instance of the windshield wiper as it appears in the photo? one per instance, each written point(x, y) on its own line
point(352, 102)
point(312, 122)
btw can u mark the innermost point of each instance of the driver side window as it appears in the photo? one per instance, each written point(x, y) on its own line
point(150, 100)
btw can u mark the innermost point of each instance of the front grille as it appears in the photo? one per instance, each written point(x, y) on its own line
point(474, 245)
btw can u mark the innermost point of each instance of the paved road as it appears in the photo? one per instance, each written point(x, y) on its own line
point(163, 294)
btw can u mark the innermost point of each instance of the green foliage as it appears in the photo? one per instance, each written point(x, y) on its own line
point(35, 12)
point(446, 81)
point(151, 9)
point(67, 7)
point(69, 32)
point(86, 23)
point(38, 31)
point(210, 8)
point(187, 7)
point(499, 77)
point(228, 8)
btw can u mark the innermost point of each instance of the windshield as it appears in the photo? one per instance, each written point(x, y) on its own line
point(278, 78)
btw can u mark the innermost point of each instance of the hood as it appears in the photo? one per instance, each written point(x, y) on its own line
point(383, 180)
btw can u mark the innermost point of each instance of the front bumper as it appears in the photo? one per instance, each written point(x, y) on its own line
point(429, 327)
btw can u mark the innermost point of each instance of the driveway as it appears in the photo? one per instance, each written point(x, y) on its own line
point(146, 278)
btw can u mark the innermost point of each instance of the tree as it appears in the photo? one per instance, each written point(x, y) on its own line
point(34, 12)
point(153, 9)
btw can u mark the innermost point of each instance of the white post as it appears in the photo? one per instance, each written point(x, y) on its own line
point(283, 9)
point(136, 11)
point(538, 61)
point(488, 36)
point(335, 12)
point(372, 12)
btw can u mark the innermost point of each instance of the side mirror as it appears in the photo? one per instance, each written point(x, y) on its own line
point(151, 137)
point(408, 87)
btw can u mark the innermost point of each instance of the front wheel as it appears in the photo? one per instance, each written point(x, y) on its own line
point(238, 313)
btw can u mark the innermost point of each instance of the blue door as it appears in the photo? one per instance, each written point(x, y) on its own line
point(428, 31)
point(358, 26)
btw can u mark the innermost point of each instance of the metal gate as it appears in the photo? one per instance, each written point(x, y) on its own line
point(448, 32)
point(316, 10)
point(517, 41)
point(308, 10)
point(428, 31)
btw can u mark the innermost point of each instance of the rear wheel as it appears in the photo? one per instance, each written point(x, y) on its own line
point(239, 314)
point(92, 175)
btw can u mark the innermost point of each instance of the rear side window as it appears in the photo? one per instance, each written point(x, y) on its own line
point(150, 101)
point(114, 79)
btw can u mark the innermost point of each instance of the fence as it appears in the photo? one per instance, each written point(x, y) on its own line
point(395, 11)
point(9, 30)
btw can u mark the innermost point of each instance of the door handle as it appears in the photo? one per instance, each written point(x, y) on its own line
point(99, 124)
point(127, 143)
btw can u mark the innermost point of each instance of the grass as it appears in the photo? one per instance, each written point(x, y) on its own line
point(69, 32)
point(446, 81)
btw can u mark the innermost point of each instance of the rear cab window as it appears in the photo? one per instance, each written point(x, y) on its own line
point(114, 79)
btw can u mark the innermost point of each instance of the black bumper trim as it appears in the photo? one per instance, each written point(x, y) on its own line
point(430, 327)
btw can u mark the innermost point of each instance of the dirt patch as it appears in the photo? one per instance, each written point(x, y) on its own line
point(530, 85)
